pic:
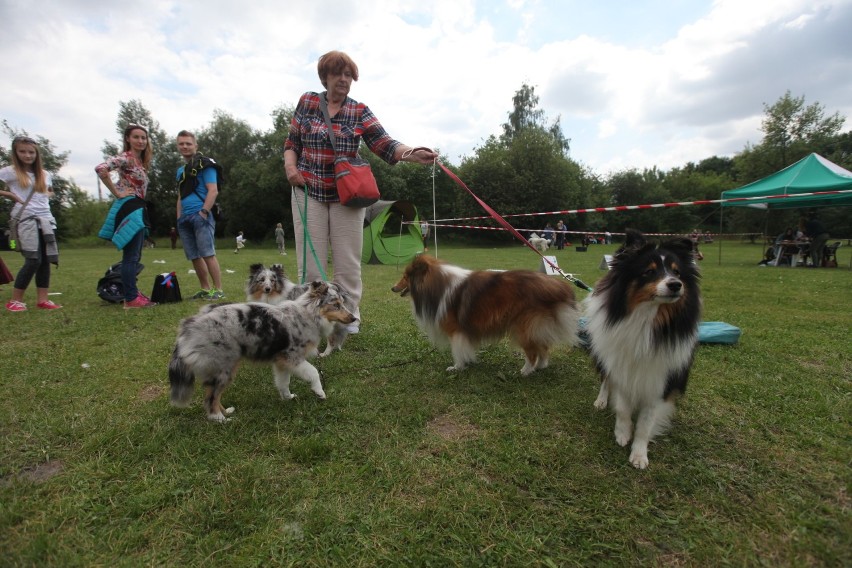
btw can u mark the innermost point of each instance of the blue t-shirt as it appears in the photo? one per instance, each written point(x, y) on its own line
point(193, 202)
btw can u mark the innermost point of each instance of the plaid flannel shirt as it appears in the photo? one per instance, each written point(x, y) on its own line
point(309, 139)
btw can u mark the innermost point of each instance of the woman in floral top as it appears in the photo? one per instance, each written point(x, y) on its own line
point(127, 223)
point(309, 164)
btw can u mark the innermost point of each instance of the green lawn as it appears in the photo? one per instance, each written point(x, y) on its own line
point(407, 465)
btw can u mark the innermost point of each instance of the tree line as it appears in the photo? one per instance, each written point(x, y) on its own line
point(527, 168)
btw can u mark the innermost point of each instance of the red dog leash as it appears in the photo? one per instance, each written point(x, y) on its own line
point(505, 224)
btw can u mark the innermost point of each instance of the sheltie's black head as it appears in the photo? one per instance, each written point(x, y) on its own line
point(643, 271)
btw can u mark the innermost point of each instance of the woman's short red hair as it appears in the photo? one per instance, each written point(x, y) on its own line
point(335, 62)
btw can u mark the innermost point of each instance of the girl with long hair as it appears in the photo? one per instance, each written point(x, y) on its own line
point(127, 223)
point(27, 184)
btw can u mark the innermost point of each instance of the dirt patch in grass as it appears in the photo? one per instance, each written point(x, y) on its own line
point(37, 474)
point(449, 428)
point(151, 392)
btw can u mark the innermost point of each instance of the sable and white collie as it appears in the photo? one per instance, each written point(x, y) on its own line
point(270, 285)
point(211, 344)
point(470, 308)
point(642, 321)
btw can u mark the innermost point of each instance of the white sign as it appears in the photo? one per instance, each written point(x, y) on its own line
point(549, 268)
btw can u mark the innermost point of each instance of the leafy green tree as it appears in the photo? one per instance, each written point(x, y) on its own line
point(791, 130)
point(705, 180)
point(526, 169)
point(631, 187)
point(526, 115)
point(233, 144)
point(839, 150)
point(85, 215)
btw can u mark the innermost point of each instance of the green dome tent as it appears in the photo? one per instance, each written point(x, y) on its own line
point(391, 233)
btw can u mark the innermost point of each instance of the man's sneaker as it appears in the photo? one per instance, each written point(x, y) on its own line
point(16, 306)
point(216, 294)
point(201, 295)
point(48, 305)
point(141, 301)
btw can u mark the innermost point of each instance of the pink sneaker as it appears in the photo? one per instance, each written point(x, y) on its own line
point(16, 306)
point(48, 305)
point(141, 301)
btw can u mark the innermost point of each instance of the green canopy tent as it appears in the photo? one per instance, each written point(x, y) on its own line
point(813, 173)
point(391, 233)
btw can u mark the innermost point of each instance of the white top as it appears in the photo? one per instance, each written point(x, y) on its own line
point(39, 205)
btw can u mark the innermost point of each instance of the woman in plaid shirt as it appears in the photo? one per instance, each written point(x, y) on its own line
point(309, 163)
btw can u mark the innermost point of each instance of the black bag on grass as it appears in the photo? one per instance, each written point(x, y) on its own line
point(110, 287)
point(166, 288)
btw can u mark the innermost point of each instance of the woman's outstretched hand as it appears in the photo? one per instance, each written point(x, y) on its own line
point(420, 155)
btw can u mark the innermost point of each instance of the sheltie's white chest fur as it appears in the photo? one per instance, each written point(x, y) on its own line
point(634, 361)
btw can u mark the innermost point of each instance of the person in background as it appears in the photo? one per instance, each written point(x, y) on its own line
point(694, 238)
point(279, 239)
point(309, 167)
point(815, 231)
point(785, 247)
point(560, 235)
point(241, 242)
point(547, 234)
point(29, 186)
point(173, 236)
point(127, 224)
point(197, 193)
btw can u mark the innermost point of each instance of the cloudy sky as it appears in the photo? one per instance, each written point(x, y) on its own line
point(635, 83)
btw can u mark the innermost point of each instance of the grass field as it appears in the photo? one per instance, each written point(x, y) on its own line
point(407, 465)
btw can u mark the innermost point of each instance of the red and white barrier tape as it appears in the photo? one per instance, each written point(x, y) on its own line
point(651, 205)
point(555, 231)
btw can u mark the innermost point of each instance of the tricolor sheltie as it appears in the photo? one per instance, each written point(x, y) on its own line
point(211, 344)
point(470, 308)
point(643, 328)
point(270, 285)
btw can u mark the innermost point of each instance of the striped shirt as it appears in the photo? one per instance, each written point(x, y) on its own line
point(309, 140)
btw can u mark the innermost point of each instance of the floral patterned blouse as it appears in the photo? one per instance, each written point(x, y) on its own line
point(131, 174)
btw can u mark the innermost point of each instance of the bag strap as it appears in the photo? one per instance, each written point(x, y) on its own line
point(201, 166)
point(324, 108)
point(24, 206)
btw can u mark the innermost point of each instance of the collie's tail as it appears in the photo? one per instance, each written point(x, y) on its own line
point(182, 380)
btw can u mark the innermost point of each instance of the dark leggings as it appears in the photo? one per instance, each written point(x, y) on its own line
point(38, 267)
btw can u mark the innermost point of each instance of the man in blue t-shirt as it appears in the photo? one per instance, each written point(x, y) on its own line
point(195, 223)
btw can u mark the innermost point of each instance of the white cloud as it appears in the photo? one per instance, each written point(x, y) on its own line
point(659, 91)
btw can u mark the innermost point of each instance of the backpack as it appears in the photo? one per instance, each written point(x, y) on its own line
point(110, 287)
point(166, 288)
point(189, 182)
